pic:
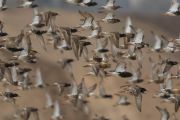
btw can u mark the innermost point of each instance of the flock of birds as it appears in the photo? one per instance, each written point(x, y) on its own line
point(125, 49)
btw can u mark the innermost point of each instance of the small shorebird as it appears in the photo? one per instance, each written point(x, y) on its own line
point(157, 47)
point(174, 9)
point(121, 70)
point(3, 4)
point(27, 3)
point(39, 34)
point(96, 33)
point(88, 3)
point(84, 49)
point(24, 80)
point(76, 2)
point(37, 18)
point(49, 102)
point(154, 75)
point(122, 100)
point(87, 21)
point(1, 29)
point(31, 111)
point(137, 92)
point(176, 100)
point(102, 91)
point(101, 45)
point(164, 113)
point(136, 75)
point(9, 96)
point(138, 38)
point(110, 5)
point(49, 17)
point(128, 31)
point(57, 111)
point(110, 18)
point(171, 46)
point(84, 91)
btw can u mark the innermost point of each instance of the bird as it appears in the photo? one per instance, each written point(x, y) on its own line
point(26, 45)
point(60, 43)
point(137, 92)
point(101, 45)
point(122, 100)
point(61, 86)
point(154, 75)
point(174, 9)
point(157, 47)
point(66, 62)
point(83, 50)
point(88, 3)
point(1, 29)
point(121, 70)
point(24, 80)
point(49, 17)
point(136, 75)
point(110, 18)
point(102, 91)
point(49, 102)
point(170, 47)
point(39, 34)
point(164, 113)
point(100, 118)
point(3, 5)
point(110, 6)
point(87, 21)
point(27, 4)
point(177, 42)
point(138, 38)
point(167, 64)
point(84, 91)
point(57, 111)
point(31, 111)
point(176, 100)
point(9, 96)
point(37, 18)
point(131, 52)
point(2, 71)
point(94, 69)
point(12, 72)
point(128, 32)
point(96, 33)
point(76, 2)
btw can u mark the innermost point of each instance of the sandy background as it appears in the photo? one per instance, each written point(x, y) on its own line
point(17, 19)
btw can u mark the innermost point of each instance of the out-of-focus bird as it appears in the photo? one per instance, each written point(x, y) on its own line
point(137, 92)
point(174, 9)
point(27, 3)
point(57, 111)
point(158, 43)
point(110, 18)
point(110, 5)
point(88, 3)
point(176, 100)
point(3, 4)
point(122, 100)
point(164, 113)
